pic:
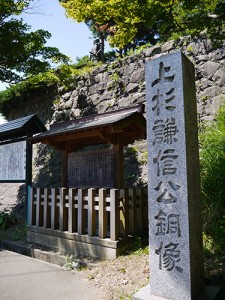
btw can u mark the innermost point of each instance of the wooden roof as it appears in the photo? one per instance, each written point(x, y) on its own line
point(22, 127)
point(127, 124)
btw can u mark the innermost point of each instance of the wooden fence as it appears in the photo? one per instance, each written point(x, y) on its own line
point(102, 213)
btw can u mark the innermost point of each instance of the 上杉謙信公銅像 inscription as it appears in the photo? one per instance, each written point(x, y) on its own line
point(176, 258)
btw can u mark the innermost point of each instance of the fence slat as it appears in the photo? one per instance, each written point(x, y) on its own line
point(47, 220)
point(91, 212)
point(71, 214)
point(124, 213)
point(140, 214)
point(39, 211)
point(62, 210)
point(102, 214)
point(81, 214)
point(114, 215)
point(132, 211)
point(54, 210)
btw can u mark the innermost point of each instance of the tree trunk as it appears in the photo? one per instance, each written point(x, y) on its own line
point(102, 46)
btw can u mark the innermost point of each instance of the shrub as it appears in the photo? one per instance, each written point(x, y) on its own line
point(7, 218)
point(212, 161)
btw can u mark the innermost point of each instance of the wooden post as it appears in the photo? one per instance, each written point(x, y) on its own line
point(47, 220)
point(81, 215)
point(62, 210)
point(118, 163)
point(28, 175)
point(71, 214)
point(102, 214)
point(31, 214)
point(54, 212)
point(114, 214)
point(91, 212)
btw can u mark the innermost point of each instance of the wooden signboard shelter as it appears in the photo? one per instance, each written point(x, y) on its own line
point(118, 128)
point(13, 137)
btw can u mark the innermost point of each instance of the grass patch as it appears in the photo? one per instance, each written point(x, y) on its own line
point(212, 162)
point(11, 228)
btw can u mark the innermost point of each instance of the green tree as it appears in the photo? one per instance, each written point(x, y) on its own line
point(125, 22)
point(22, 52)
point(116, 20)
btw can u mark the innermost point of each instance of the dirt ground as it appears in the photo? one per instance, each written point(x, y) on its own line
point(119, 278)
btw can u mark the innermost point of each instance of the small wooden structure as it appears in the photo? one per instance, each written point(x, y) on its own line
point(94, 217)
point(118, 128)
point(15, 151)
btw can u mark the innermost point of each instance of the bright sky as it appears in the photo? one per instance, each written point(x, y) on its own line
point(71, 38)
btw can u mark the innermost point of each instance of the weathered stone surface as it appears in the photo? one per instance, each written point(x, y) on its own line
point(74, 94)
point(95, 98)
point(210, 68)
point(204, 83)
point(202, 58)
point(137, 76)
point(129, 69)
point(75, 101)
point(76, 113)
point(194, 48)
point(219, 76)
point(69, 103)
point(132, 87)
point(123, 102)
point(53, 104)
point(168, 46)
point(218, 54)
point(137, 98)
point(105, 96)
point(175, 228)
point(211, 91)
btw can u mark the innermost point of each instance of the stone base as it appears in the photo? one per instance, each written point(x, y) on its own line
point(73, 244)
point(209, 293)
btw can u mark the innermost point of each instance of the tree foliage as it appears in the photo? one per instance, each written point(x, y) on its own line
point(43, 83)
point(22, 52)
point(139, 21)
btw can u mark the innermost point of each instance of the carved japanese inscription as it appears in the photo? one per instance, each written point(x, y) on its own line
point(165, 133)
point(169, 170)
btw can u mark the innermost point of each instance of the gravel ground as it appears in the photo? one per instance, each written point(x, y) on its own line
point(119, 278)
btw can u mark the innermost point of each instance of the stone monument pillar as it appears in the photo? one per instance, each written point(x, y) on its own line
point(176, 251)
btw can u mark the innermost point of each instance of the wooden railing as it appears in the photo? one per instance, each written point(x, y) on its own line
point(104, 213)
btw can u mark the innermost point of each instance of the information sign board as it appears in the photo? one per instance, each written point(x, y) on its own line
point(13, 161)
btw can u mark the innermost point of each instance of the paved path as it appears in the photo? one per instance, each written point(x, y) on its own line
point(25, 278)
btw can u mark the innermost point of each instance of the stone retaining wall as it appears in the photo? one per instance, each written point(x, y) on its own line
point(122, 84)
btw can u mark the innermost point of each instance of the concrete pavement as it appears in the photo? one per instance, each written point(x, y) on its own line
point(25, 278)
